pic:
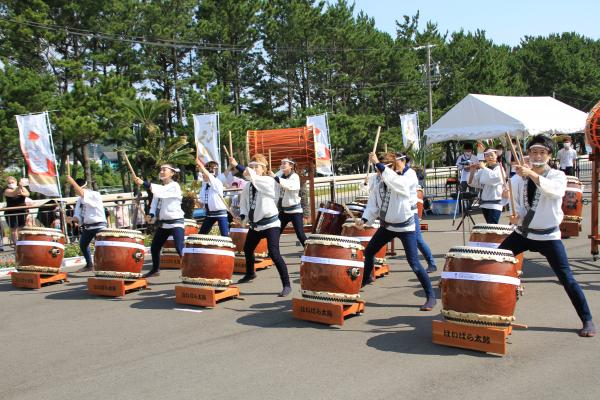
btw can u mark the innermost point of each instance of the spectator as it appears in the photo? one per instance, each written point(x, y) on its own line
point(567, 157)
point(15, 194)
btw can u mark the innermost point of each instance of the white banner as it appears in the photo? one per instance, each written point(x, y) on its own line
point(206, 133)
point(34, 135)
point(410, 130)
point(322, 144)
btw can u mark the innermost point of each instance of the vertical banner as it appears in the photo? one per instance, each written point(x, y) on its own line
point(322, 145)
point(36, 145)
point(206, 133)
point(410, 130)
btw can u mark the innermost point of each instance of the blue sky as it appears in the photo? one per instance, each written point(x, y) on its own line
point(505, 21)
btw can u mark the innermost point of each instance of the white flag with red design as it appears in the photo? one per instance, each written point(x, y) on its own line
point(322, 145)
point(206, 133)
point(37, 150)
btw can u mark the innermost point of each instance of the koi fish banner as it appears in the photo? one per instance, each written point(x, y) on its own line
point(36, 145)
point(322, 145)
point(206, 133)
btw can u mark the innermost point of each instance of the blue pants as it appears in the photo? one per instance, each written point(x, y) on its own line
point(421, 245)
point(208, 223)
point(555, 253)
point(296, 219)
point(491, 216)
point(84, 244)
point(160, 237)
point(409, 241)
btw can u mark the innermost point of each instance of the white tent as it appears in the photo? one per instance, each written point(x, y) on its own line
point(479, 116)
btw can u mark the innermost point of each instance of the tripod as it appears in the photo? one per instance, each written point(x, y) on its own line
point(465, 199)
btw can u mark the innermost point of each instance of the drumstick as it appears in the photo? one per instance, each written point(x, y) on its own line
point(270, 168)
point(226, 152)
point(512, 149)
point(349, 212)
point(68, 166)
point(230, 145)
point(520, 149)
point(385, 147)
point(374, 150)
point(512, 199)
point(133, 175)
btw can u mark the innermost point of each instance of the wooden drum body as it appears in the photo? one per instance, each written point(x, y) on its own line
point(331, 268)
point(119, 253)
point(40, 250)
point(357, 209)
point(365, 235)
point(479, 286)
point(491, 236)
point(238, 236)
point(420, 197)
point(572, 204)
point(208, 261)
point(330, 220)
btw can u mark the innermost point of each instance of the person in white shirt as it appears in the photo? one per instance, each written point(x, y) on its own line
point(490, 180)
point(567, 157)
point(166, 210)
point(463, 164)
point(89, 215)
point(390, 201)
point(289, 205)
point(211, 196)
point(403, 164)
point(258, 205)
point(538, 192)
point(122, 218)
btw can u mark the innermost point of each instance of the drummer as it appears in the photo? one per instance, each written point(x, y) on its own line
point(490, 180)
point(89, 215)
point(166, 210)
point(211, 195)
point(403, 163)
point(390, 201)
point(289, 205)
point(538, 192)
point(258, 204)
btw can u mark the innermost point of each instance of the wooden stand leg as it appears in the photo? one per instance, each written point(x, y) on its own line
point(239, 266)
point(381, 270)
point(114, 287)
point(170, 261)
point(478, 338)
point(35, 280)
point(203, 297)
point(568, 229)
point(325, 313)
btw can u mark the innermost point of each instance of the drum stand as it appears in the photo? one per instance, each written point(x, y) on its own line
point(203, 297)
point(170, 261)
point(478, 338)
point(35, 280)
point(325, 313)
point(239, 266)
point(114, 287)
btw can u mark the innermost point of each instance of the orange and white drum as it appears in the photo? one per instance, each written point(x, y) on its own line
point(479, 286)
point(572, 203)
point(491, 236)
point(119, 254)
point(420, 197)
point(39, 250)
point(365, 235)
point(331, 269)
point(208, 261)
point(238, 236)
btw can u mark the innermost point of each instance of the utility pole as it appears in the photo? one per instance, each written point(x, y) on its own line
point(429, 84)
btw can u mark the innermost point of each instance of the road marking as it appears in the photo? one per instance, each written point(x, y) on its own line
point(188, 310)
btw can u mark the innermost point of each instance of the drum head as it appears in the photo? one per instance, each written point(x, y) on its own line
point(493, 228)
point(333, 240)
point(481, 253)
point(210, 240)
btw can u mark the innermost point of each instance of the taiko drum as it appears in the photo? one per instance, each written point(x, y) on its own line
point(420, 197)
point(332, 264)
point(40, 249)
point(572, 200)
point(208, 260)
point(491, 236)
point(238, 236)
point(479, 286)
point(119, 253)
point(330, 219)
point(364, 235)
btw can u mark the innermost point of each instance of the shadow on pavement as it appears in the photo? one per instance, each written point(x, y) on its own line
point(155, 300)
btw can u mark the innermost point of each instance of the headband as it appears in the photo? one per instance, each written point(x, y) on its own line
point(288, 161)
point(171, 168)
point(539, 146)
point(490, 151)
point(253, 163)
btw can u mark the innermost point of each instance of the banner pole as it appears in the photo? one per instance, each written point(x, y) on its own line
point(63, 216)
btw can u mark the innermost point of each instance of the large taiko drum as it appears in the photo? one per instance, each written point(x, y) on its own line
point(208, 261)
point(238, 237)
point(119, 253)
point(491, 236)
point(479, 286)
point(330, 219)
point(358, 209)
point(362, 199)
point(169, 258)
point(420, 197)
point(331, 268)
point(572, 200)
point(365, 235)
point(40, 250)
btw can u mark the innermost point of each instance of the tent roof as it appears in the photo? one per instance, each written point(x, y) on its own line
point(479, 116)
